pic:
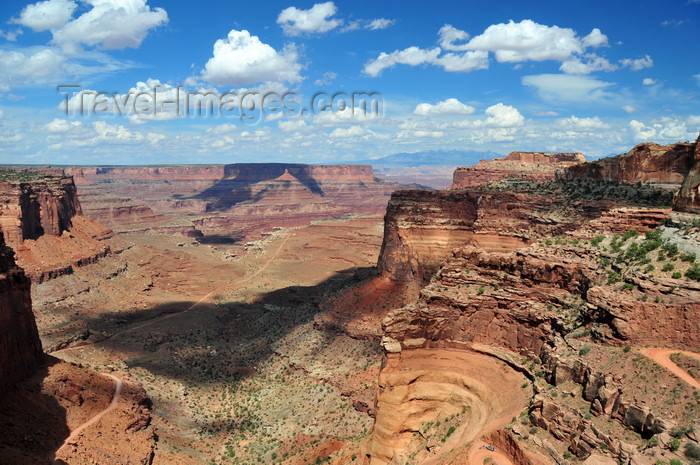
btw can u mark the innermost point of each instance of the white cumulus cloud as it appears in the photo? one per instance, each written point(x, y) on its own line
point(527, 40)
point(110, 24)
point(29, 66)
point(449, 35)
point(451, 106)
point(503, 116)
point(582, 124)
point(59, 125)
point(637, 64)
point(590, 63)
point(649, 81)
point(318, 18)
point(42, 16)
point(291, 125)
point(242, 59)
point(412, 56)
point(509, 42)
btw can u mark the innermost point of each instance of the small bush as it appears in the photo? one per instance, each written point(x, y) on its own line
point(668, 267)
point(675, 444)
point(567, 454)
point(693, 272)
point(692, 451)
point(688, 257)
point(584, 351)
point(676, 275)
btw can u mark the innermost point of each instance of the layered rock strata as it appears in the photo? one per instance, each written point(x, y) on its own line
point(648, 162)
point(20, 347)
point(531, 166)
point(688, 198)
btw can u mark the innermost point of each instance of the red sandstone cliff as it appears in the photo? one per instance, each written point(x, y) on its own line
point(688, 198)
point(238, 200)
point(646, 162)
point(531, 166)
point(20, 347)
point(31, 209)
point(43, 222)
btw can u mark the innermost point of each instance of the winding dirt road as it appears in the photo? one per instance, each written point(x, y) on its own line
point(663, 357)
point(112, 405)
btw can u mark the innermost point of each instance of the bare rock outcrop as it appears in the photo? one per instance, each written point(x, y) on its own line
point(531, 166)
point(688, 198)
point(31, 209)
point(422, 227)
point(647, 162)
point(20, 346)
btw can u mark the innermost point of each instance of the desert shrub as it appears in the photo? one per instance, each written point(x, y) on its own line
point(693, 272)
point(692, 451)
point(613, 277)
point(674, 444)
point(676, 275)
point(629, 234)
point(668, 267)
point(688, 257)
point(675, 462)
point(584, 350)
point(670, 249)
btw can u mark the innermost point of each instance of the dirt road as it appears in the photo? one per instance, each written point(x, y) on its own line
point(663, 357)
point(112, 405)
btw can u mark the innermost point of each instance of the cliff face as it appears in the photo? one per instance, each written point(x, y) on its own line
point(531, 166)
point(688, 198)
point(239, 200)
point(422, 227)
point(20, 347)
point(646, 162)
point(29, 210)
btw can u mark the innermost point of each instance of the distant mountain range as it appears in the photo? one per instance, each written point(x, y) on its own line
point(433, 157)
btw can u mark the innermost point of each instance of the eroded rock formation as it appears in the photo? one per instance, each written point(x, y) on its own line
point(29, 210)
point(237, 200)
point(648, 162)
point(20, 347)
point(531, 166)
point(688, 198)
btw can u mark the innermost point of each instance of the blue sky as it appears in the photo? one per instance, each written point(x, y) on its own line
point(596, 77)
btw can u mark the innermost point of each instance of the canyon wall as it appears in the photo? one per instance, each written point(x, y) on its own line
point(31, 209)
point(531, 166)
point(688, 198)
point(422, 227)
point(235, 200)
point(20, 347)
point(648, 162)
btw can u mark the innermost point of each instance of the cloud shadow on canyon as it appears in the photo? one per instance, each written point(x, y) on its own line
point(214, 343)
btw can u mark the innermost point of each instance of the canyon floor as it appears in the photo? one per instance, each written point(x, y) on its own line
point(519, 323)
point(227, 340)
